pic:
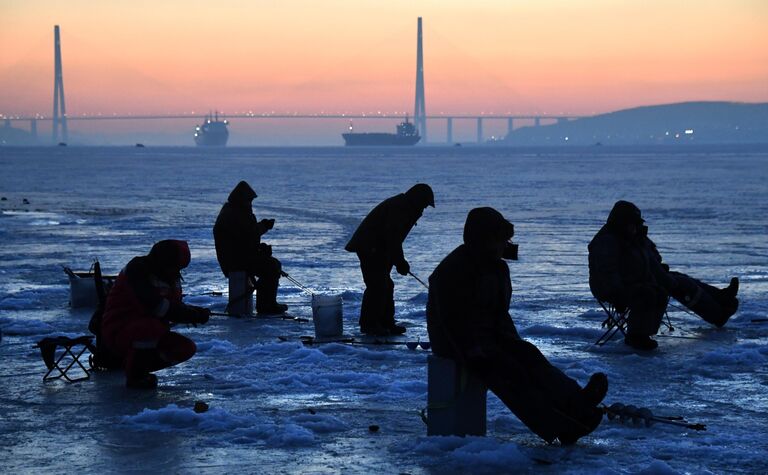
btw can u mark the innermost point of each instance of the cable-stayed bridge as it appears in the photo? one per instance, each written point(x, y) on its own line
point(60, 118)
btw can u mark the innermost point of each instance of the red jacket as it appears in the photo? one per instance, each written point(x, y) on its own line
point(138, 294)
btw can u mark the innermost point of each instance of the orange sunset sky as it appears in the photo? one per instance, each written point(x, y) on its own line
point(537, 56)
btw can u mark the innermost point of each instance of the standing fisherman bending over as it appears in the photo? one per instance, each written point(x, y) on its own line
point(468, 320)
point(378, 242)
point(237, 234)
point(145, 299)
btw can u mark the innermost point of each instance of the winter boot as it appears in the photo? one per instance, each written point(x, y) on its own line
point(595, 390)
point(374, 330)
point(640, 342)
point(272, 309)
point(732, 289)
point(581, 426)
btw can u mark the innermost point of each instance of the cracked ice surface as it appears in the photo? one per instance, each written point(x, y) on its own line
point(278, 406)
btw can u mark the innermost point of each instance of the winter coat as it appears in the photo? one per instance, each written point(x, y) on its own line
point(468, 305)
point(386, 227)
point(237, 233)
point(617, 263)
point(139, 293)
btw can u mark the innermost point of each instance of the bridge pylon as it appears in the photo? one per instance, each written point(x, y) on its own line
point(59, 107)
point(420, 109)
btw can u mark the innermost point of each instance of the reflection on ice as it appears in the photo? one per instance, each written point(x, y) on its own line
point(280, 406)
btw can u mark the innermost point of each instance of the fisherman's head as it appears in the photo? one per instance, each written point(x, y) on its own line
point(421, 196)
point(242, 195)
point(487, 232)
point(626, 218)
point(168, 257)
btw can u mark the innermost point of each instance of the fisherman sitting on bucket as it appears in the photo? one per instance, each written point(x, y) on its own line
point(468, 320)
point(237, 235)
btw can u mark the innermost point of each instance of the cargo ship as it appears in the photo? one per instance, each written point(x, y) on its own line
point(406, 135)
point(212, 132)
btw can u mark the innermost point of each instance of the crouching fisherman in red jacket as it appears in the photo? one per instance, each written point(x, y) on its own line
point(145, 299)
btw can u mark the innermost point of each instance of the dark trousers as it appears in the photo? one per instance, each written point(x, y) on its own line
point(706, 301)
point(544, 398)
point(268, 270)
point(647, 305)
point(378, 307)
point(148, 345)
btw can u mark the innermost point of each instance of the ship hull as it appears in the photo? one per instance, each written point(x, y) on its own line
point(212, 133)
point(211, 140)
point(379, 139)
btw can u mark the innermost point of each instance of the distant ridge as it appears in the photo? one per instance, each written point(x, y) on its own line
point(680, 123)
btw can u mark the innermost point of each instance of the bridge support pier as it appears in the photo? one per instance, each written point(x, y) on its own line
point(479, 130)
point(509, 126)
point(449, 130)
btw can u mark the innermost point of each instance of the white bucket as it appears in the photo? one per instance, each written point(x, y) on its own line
point(327, 315)
point(82, 288)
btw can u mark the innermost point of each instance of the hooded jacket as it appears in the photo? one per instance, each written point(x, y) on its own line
point(237, 233)
point(618, 262)
point(148, 287)
point(385, 228)
point(470, 292)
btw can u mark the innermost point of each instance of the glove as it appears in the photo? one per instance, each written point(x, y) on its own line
point(199, 314)
point(403, 268)
point(265, 249)
point(268, 223)
point(189, 314)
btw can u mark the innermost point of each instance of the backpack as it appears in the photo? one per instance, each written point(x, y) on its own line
point(101, 359)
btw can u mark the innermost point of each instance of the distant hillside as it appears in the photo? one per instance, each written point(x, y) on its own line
point(684, 123)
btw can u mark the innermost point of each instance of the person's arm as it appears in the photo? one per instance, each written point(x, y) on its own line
point(447, 302)
point(138, 275)
point(659, 269)
point(399, 222)
point(260, 228)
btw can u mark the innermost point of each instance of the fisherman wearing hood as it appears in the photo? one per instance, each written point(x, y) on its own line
point(626, 270)
point(144, 301)
point(237, 235)
point(468, 321)
point(378, 242)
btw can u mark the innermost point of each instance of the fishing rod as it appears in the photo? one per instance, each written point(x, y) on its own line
point(420, 281)
point(298, 284)
point(276, 316)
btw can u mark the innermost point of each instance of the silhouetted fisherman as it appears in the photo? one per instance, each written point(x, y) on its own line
point(145, 299)
point(378, 242)
point(237, 235)
point(468, 320)
point(626, 269)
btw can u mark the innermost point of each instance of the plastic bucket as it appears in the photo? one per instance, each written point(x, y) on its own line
point(82, 288)
point(327, 315)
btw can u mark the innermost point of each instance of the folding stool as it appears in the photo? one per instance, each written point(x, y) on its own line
point(615, 321)
point(68, 357)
